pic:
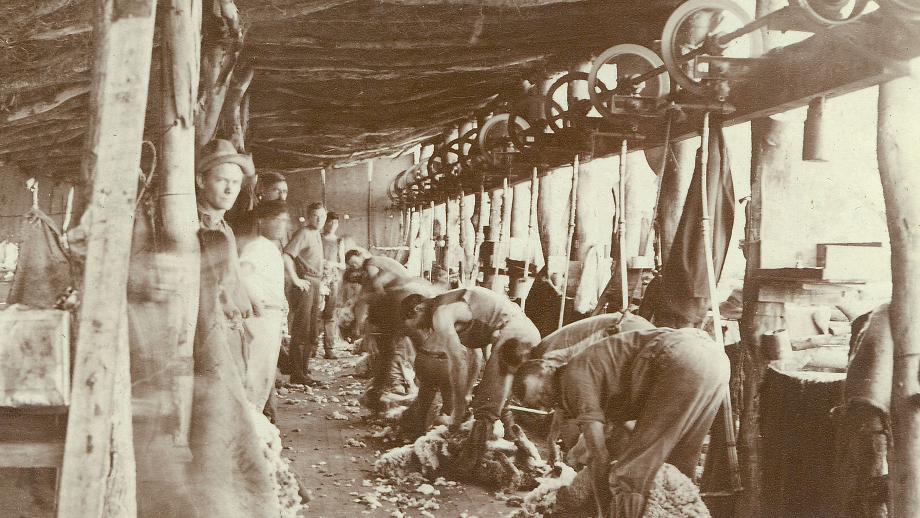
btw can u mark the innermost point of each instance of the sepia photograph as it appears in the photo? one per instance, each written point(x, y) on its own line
point(459, 258)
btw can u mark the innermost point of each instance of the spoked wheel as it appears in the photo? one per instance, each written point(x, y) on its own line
point(526, 135)
point(468, 146)
point(437, 163)
point(706, 28)
point(495, 138)
point(635, 73)
point(561, 108)
point(832, 12)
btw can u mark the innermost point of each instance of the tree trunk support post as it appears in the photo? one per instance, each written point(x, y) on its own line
point(899, 165)
point(124, 44)
point(181, 29)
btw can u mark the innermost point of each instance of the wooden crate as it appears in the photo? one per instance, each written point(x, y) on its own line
point(854, 261)
point(34, 357)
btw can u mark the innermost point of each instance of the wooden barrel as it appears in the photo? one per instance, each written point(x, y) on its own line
point(798, 448)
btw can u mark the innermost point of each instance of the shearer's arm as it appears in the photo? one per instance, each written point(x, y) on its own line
point(445, 339)
point(599, 464)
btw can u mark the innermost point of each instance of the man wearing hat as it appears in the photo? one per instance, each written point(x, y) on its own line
point(219, 174)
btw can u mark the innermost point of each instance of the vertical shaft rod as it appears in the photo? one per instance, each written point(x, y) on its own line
point(621, 230)
point(434, 244)
point(462, 244)
point(727, 414)
point(568, 240)
point(531, 224)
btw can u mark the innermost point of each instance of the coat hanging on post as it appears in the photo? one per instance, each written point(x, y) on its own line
point(679, 296)
point(42, 271)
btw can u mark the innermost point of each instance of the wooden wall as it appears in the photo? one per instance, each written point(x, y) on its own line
point(835, 201)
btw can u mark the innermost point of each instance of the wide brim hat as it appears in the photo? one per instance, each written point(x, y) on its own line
point(220, 151)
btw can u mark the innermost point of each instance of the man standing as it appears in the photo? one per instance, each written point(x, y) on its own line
point(262, 269)
point(333, 266)
point(219, 176)
point(269, 186)
point(671, 382)
point(303, 261)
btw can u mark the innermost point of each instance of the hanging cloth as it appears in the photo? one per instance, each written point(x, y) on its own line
point(43, 271)
point(679, 296)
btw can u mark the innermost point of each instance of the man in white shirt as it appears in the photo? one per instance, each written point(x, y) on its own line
point(262, 270)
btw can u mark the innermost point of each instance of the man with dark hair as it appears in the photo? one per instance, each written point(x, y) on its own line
point(332, 273)
point(271, 186)
point(262, 269)
point(377, 271)
point(671, 382)
point(476, 318)
point(303, 261)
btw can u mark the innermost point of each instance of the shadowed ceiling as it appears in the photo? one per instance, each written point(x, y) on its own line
point(335, 80)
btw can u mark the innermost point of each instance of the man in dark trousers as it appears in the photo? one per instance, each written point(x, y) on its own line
point(670, 382)
point(384, 284)
point(303, 261)
point(474, 318)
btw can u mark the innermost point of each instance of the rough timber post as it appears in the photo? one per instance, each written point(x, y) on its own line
point(774, 151)
point(124, 42)
point(899, 168)
point(181, 30)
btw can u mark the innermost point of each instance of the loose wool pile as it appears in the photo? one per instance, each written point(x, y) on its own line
point(672, 496)
point(507, 464)
point(286, 485)
point(422, 456)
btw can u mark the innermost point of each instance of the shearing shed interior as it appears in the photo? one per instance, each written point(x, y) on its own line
point(460, 258)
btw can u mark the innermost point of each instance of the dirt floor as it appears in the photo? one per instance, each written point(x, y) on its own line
point(330, 440)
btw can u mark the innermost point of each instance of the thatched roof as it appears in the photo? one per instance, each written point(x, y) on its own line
point(335, 80)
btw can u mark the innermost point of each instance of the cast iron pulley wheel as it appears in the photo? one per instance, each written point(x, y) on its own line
point(574, 110)
point(468, 148)
point(832, 12)
point(706, 27)
point(527, 134)
point(495, 135)
point(452, 153)
point(438, 161)
point(633, 71)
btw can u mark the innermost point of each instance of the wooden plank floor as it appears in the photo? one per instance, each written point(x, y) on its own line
point(333, 472)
